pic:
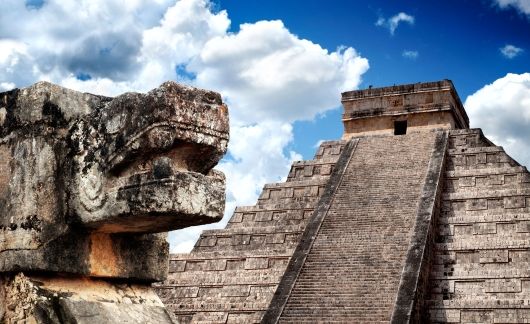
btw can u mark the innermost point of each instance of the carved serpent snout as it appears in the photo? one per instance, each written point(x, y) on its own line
point(144, 162)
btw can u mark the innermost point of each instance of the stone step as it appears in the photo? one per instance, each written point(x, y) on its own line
point(279, 250)
point(517, 257)
point(329, 148)
point(488, 171)
point(312, 169)
point(474, 167)
point(207, 317)
point(484, 230)
point(476, 303)
point(517, 190)
point(467, 138)
point(295, 184)
point(481, 314)
point(224, 277)
point(276, 218)
point(479, 274)
point(252, 230)
point(494, 242)
point(486, 183)
point(223, 304)
point(290, 206)
point(479, 158)
point(477, 210)
point(485, 264)
point(277, 203)
point(292, 190)
point(199, 317)
point(516, 216)
point(224, 257)
point(209, 262)
point(474, 150)
point(236, 293)
point(243, 239)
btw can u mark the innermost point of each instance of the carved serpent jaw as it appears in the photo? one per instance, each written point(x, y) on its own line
point(144, 162)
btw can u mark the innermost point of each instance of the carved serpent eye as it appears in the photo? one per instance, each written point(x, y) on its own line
point(89, 177)
point(92, 193)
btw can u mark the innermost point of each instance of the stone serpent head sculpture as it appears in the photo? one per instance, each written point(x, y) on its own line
point(87, 182)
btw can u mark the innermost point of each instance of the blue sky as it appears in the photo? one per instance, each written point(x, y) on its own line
point(280, 65)
point(456, 40)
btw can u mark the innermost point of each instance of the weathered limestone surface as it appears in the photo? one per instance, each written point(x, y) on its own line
point(45, 299)
point(89, 185)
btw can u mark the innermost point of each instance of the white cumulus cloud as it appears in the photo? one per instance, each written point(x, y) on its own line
point(268, 76)
point(502, 110)
point(393, 22)
point(523, 6)
point(510, 51)
point(16, 64)
point(133, 45)
point(410, 54)
point(267, 73)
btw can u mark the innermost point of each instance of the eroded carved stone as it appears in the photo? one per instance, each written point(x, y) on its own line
point(89, 184)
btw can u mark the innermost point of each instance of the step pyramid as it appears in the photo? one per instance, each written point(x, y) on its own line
point(412, 217)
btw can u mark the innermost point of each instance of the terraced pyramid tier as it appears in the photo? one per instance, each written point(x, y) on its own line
point(481, 268)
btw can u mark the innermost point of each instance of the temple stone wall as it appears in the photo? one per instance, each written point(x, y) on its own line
point(384, 125)
point(423, 106)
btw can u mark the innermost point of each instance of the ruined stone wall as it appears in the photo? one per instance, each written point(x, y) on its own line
point(60, 300)
point(231, 274)
point(481, 271)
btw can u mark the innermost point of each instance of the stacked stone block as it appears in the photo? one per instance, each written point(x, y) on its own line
point(481, 270)
point(231, 275)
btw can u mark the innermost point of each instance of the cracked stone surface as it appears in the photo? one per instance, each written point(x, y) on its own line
point(89, 186)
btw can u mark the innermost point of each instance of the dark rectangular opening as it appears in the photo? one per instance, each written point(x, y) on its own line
point(400, 127)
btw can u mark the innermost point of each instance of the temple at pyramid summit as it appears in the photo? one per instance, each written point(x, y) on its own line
point(410, 217)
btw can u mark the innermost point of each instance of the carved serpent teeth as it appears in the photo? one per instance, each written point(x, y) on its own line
point(182, 157)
